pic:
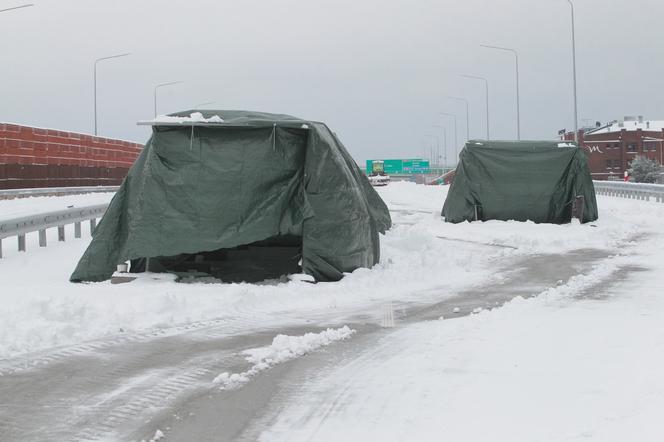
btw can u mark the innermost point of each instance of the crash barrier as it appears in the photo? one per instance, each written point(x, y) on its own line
point(19, 227)
point(442, 179)
point(639, 191)
point(53, 191)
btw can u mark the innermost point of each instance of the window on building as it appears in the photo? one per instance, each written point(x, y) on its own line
point(616, 164)
point(631, 147)
point(609, 163)
point(616, 145)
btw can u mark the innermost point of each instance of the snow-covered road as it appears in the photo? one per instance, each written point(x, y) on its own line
point(581, 361)
point(121, 361)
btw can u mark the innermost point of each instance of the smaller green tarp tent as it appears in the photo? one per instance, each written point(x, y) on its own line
point(520, 180)
point(215, 192)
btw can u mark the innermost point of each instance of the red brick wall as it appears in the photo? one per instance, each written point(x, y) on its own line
point(34, 157)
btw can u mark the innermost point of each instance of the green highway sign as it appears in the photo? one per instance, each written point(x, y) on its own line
point(399, 167)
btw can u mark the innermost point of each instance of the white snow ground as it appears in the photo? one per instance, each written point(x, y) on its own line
point(553, 368)
point(581, 361)
point(422, 258)
point(556, 367)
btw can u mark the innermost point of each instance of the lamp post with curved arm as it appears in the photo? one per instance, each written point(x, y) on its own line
point(486, 85)
point(444, 143)
point(467, 114)
point(160, 86)
point(437, 138)
point(456, 138)
point(95, 81)
point(17, 7)
point(576, 113)
point(518, 107)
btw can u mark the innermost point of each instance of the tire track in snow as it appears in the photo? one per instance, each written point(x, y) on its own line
point(216, 328)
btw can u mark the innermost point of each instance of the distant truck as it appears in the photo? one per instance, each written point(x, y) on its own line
point(377, 176)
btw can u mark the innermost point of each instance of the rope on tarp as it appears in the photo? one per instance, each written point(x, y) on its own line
point(274, 137)
point(191, 139)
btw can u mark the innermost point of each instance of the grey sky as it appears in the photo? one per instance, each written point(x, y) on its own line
point(375, 71)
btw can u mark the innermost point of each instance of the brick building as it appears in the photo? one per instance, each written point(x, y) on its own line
point(612, 147)
point(35, 157)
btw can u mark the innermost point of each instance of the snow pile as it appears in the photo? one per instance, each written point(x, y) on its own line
point(283, 348)
point(195, 117)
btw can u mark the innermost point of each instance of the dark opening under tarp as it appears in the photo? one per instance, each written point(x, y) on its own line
point(253, 177)
point(520, 180)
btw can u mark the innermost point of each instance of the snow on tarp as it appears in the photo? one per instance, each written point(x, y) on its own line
point(283, 349)
point(194, 117)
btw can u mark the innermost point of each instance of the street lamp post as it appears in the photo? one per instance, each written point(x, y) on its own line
point(456, 138)
point(17, 7)
point(95, 81)
point(467, 114)
point(486, 85)
point(444, 143)
point(155, 93)
point(437, 138)
point(576, 114)
point(518, 106)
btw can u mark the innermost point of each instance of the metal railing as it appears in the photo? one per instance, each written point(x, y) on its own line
point(639, 191)
point(19, 227)
point(44, 191)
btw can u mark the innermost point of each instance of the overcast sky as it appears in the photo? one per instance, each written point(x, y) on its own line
point(377, 72)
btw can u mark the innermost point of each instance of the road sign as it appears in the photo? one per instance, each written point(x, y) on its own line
point(402, 167)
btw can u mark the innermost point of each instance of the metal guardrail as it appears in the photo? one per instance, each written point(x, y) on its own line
point(42, 191)
point(639, 191)
point(40, 222)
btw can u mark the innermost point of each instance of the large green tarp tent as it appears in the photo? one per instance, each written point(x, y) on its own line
point(520, 180)
point(210, 185)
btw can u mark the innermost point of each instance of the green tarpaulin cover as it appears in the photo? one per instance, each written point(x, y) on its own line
point(206, 186)
point(520, 180)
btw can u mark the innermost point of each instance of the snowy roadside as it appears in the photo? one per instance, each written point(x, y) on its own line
point(423, 260)
point(579, 361)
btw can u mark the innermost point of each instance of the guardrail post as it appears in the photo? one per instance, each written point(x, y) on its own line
point(0, 248)
point(40, 223)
